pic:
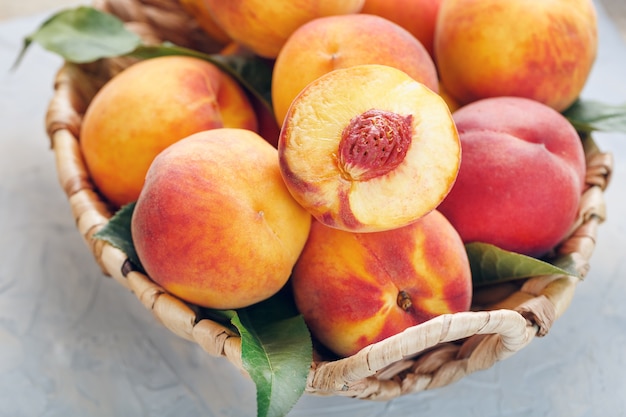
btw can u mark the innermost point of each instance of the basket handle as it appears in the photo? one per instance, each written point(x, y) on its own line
point(491, 336)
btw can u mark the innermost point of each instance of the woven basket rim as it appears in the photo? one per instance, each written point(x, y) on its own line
point(432, 354)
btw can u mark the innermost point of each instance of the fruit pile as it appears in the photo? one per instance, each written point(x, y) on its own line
point(397, 132)
point(308, 188)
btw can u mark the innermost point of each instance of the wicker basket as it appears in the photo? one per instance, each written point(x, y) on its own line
point(504, 319)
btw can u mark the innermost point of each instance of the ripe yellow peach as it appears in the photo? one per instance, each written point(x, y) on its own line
point(417, 16)
point(541, 50)
point(521, 177)
point(354, 289)
point(263, 26)
point(215, 224)
point(368, 148)
point(149, 106)
point(334, 42)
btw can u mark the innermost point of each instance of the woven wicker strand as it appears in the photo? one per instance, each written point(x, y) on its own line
point(504, 319)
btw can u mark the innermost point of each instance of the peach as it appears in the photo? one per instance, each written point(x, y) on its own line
point(149, 106)
point(264, 26)
point(541, 50)
point(521, 177)
point(334, 42)
point(368, 148)
point(417, 16)
point(354, 289)
point(214, 223)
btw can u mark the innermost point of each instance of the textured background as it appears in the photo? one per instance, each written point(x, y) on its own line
point(14, 8)
point(617, 10)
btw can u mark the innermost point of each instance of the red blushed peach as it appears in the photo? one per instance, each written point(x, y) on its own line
point(146, 108)
point(541, 50)
point(367, 148)
point(521, 177)
point(354, 289)
point(215, 224)
point(329, 43)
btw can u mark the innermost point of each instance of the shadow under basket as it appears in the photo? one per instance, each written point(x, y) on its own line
point(504, 317)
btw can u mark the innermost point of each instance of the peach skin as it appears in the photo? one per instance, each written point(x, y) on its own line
point(521, 177)
point(263, 26)
point(541, 50)
point(146, 108)
point(329, 43)
point(215, 224)
point(417, 16)
point(354, 289)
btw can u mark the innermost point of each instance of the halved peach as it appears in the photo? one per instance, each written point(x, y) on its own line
point(367, 148)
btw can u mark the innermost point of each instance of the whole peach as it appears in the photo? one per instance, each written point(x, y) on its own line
point(215, 224)
point(521, 176)
point(149, 106)
point(264, 26)
point(541, 50)
point(367, 148)
point(329, 43)
point(417, 16)
point(354, 289)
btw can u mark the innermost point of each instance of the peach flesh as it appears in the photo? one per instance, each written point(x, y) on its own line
point(349, 191)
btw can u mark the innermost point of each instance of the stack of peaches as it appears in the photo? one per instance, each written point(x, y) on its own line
point(399, 131)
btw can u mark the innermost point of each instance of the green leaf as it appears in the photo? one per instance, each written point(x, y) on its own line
point(117, 233)
point(491, 265)
point(589, 116)
point(83, 34)
point(276, 352)
point(568, 264)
